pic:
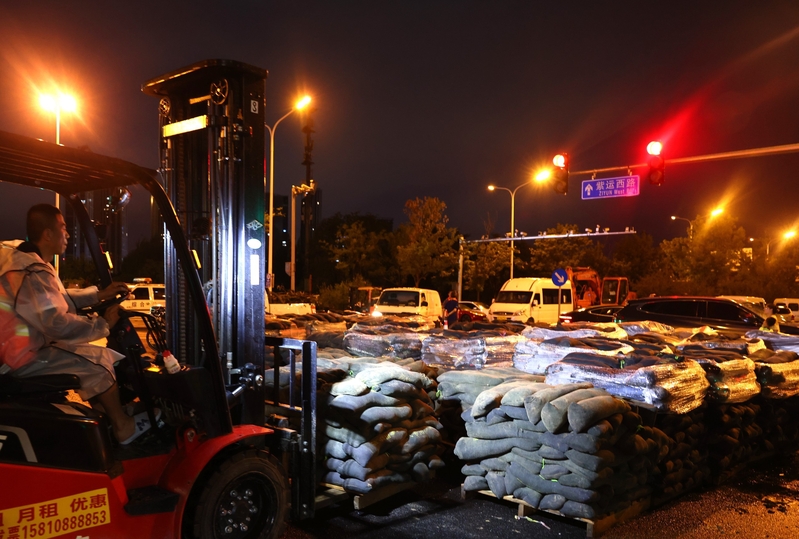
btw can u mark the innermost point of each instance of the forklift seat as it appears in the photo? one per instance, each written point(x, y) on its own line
point(42, 384)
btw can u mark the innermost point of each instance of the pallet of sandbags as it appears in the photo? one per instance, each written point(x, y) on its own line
point(571, 448)
point(593, 527)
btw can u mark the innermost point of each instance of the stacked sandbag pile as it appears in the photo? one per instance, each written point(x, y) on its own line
point(776, 341)
point(569, 448)
point(535, 356)
point(777, 418)
point(464, 386)
point(734, 437)
point(645, 326)
point(500, 348)
point(376, 424)
point(576, 330)
point(455, 349)
point(380, 428)
point(664, 382)
point(683, 463)
point(731, 375)
point(777, 372)
point(391, 339)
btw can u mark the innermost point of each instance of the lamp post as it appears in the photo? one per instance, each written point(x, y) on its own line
point(512, 216)
point(296, 190)
point(56, 104)
point(786, 236)
point(690, 225)
point(301, 104)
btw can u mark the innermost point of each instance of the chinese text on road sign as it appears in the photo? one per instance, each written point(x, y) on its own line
point(625, 186)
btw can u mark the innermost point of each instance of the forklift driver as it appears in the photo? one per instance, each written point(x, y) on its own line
point(49, 337)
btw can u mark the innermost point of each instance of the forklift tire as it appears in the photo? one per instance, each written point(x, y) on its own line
point(246, 498)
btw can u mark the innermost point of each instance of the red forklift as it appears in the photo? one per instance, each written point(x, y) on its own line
point(213, 467)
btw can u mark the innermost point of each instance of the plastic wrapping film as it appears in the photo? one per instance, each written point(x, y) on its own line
point(667, 383)
point(607, 330)
point(645, 326)
point(501, 348)
point(776, 341)
point(778, 380)
point(469, 352)
point(534, 357)
point(743, 346)
point(730, 381)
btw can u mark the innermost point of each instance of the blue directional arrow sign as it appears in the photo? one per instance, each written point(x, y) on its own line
point(560, 277)
point(624, 186)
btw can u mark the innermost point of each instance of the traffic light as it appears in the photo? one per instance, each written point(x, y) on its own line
point(560, 174)
point(657, 165)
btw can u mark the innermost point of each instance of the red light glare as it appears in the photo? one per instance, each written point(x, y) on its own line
point(559, 160)
point(654, 147)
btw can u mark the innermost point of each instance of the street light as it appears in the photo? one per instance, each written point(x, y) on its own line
point(512, 216)
point(786, 236)
point(299, 105)
point(57, 104)
point(690, 225)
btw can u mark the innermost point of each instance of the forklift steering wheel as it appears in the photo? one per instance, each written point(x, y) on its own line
point(101, 307)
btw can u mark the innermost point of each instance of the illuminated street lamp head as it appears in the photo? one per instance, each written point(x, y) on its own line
point(491, 187)
point(543, 175)
point(673, 217)
point(302, 103)
point(61, 102)
point(717, 212)
point(790, 234)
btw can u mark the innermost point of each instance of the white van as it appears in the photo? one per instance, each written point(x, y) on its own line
point(530, 300)
point(791, 303)
point(419, 301)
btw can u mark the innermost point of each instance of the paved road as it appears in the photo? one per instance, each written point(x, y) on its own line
point(762, 502)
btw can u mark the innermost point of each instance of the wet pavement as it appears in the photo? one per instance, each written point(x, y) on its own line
point(760, 502)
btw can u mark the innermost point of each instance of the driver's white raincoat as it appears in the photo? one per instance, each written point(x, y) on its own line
point(47, 334)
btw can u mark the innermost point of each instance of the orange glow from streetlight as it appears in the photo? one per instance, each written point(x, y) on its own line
point(60, 102)
point(302, 103)
point(717, 212)
point(790, 234)
point(491, 187)
point(543, 175)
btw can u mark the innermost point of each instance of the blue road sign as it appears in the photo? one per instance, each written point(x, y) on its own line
point(560, 277)
point(624, 186)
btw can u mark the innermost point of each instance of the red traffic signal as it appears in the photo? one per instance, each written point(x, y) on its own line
point(657, 165)
point(654, 147)
point(560, 175)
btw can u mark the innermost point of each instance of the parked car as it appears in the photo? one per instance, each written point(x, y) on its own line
point(695, 311)
point(784, 314)
point(472, 311)
point(791, 303)
point(597, 313)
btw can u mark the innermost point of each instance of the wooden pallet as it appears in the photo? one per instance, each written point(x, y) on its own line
point(593, 527)
point(336, 493)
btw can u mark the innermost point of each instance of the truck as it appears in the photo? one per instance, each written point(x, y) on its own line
point(225, 459)
point(591, 289)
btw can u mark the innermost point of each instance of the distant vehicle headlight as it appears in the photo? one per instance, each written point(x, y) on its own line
point(377, 314)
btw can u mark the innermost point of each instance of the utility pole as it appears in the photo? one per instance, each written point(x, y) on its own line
point(309, 203)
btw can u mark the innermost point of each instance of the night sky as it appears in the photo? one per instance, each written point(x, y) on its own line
point(442, 98)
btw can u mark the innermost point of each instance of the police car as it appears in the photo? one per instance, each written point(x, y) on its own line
point(144, 295)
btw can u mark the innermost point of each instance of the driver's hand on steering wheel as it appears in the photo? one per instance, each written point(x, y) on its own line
point(112, 315)
point(113, 290)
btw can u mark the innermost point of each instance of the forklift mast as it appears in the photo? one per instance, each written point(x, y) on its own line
point(211, 141)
